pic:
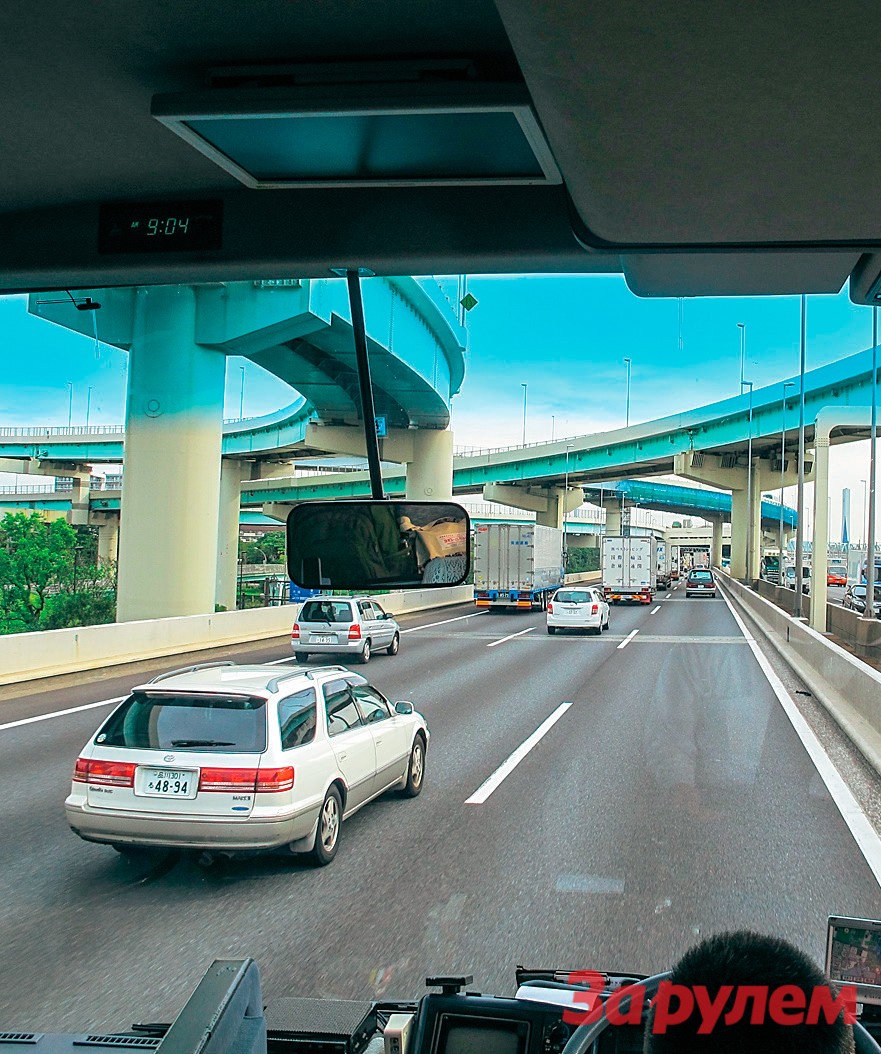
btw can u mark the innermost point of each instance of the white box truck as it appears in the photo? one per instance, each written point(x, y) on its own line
point(516, 565)
point(663, 564)
point(630, 569)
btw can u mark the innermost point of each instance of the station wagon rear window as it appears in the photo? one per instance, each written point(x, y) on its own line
point(701, 576)
point(179, 721)
point(326, 611)
point(573, 596)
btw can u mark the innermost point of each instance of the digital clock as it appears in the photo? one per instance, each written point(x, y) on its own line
point(160, 226)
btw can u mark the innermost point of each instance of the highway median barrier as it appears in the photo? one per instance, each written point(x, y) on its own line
point(30, 656)
point(846, 686)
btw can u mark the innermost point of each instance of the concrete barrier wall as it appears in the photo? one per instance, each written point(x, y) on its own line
point(27, 656)
point(584, 576)
point(848, 688)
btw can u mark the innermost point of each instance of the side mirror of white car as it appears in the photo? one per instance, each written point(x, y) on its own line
point(403, 707)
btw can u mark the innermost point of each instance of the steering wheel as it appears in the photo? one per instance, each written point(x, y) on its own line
point(584, 1037)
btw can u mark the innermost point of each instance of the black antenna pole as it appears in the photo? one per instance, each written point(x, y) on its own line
point(353, 280)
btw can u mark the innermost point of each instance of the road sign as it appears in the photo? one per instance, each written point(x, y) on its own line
point(381, 427)
point(468, 301)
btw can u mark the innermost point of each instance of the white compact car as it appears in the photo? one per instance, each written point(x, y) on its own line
point(354, 626)
point(225, 757)
point(578, 607)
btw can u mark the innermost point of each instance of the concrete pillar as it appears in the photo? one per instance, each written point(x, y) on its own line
point(231, 472)
point(820, 547)
point(171, 485)
point(108, 541)
point(716, 549)
point(613, 517)
point(739, 518)
point(430, 473)
point(559, 502)
point(756, 512)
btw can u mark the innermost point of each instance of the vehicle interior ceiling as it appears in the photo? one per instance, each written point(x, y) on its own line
point(730, 154)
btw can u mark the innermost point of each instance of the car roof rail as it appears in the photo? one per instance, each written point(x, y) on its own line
point(325, 669)
point(272, 686)
point(192, 669)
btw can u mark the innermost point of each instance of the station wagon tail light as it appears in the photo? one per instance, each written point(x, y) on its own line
point(295, 632)
point(551, 606)
point(595, 609)
point(104, 773)
point(354, 631)
point(246, 781)
point(230, 781)
point(271, 780)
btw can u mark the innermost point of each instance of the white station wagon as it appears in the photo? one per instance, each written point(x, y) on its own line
point(224, 757)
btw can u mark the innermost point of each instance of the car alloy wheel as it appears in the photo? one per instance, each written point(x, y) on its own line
point(328, 834)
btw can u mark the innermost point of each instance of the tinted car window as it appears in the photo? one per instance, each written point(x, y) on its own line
point(573, 596)
point(171, 721)
point(339, 705)
point(327, 611)
point(366, 610)
point(701, 576)
point(296, 719)
point(371, 704)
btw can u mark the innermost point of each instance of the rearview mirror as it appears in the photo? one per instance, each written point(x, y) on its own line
point(370, 545)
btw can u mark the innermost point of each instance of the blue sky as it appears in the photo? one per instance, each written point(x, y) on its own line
point(564, 336)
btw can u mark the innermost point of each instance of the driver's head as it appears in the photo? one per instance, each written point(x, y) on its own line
point(746, 960)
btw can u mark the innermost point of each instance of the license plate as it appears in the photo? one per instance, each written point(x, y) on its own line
point(169, 783)
point(322, 638)
point(571, 611)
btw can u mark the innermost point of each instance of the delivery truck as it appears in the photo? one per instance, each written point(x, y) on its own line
point(516, 565)
point(663, 564)
point(630, 569)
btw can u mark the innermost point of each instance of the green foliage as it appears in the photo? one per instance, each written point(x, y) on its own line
point(34, 556)
point(581, 560)
point(270, 549)
point(49, 576)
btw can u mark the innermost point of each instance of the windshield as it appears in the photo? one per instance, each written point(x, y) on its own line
point(618, 268)
point(156, 721)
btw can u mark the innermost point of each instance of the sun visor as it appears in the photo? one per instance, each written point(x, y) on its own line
point(737, 274)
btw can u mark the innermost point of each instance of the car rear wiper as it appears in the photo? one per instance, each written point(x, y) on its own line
point(201, 743)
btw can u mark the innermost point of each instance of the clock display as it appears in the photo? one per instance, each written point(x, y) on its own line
point(160, 227)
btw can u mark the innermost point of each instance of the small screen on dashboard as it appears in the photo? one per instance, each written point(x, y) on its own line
point(466, 1035)
point(853, 955)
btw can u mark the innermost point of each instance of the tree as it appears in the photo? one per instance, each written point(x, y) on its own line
point(35, 558)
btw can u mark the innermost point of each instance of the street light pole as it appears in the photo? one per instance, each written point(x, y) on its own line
point(242, 394)
point(800, 501)
point(786, 384)
point(750, 541)
point(524, 387)
point(88, 405)
point(69, 403)
point(742, 327)
point(870, 542)
point(552, 428)
point(627, 363)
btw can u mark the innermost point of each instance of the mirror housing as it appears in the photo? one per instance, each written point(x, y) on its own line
point(373, 545)
point(403, 707)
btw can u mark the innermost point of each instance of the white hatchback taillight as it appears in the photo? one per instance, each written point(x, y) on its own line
point(295, 632)
point(595, 609)
point(550, 607)
point(104, 773)
point(354, 631)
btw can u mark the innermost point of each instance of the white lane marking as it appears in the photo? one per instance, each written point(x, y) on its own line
point(510, 636)
point(61, 713)
point(278, 662)
point(627, 639)
point(458, 618)
point(864, 834)
point(667, 597)
point(656, 610)
point(507, 767)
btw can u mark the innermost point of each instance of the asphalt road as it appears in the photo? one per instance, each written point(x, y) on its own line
point(672, 798)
